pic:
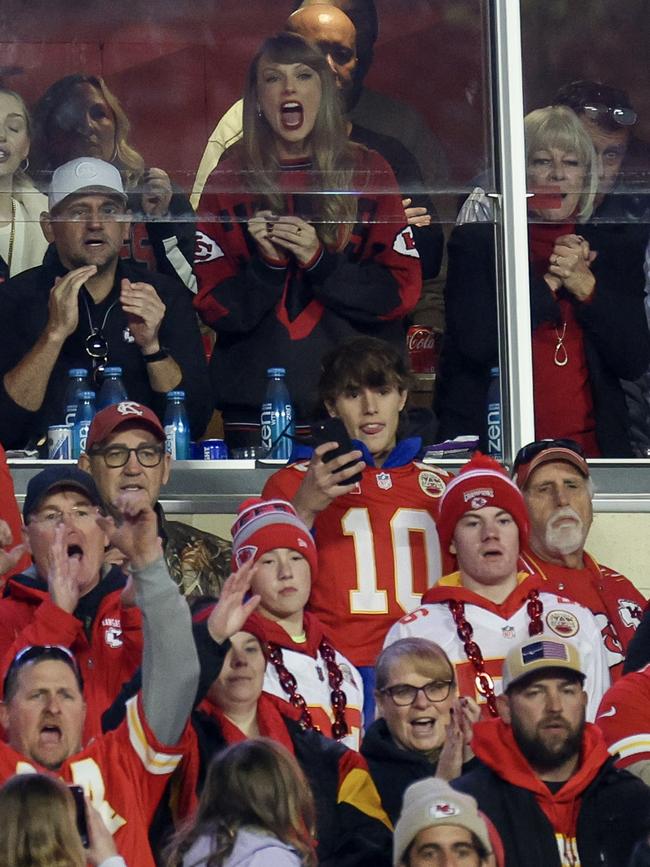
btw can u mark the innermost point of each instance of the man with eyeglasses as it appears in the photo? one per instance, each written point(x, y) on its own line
point(68, 597)
point(86, 308)
point(125, 772)
point(125, 451)
point(544, 777)
point(554, 479)
point(479, 612)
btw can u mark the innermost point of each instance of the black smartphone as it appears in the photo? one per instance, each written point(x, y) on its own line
point(333, 430)
point(82, 824)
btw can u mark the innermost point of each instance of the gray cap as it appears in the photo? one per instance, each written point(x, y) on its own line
point(84, 174)
point(431, 802)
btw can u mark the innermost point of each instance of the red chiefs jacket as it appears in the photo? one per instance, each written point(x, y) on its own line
point(105, 637)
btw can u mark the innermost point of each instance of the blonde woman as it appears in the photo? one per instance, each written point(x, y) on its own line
point(256, 810)
point(302, 241)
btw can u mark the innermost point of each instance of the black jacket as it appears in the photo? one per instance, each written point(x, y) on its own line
point(614, 814)
point(616, 340)
point(23, 317)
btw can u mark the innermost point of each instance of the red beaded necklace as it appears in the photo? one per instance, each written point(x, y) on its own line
point(289, 684)
point(484, 683)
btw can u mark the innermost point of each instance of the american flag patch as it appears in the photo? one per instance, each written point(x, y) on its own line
point(544, 650)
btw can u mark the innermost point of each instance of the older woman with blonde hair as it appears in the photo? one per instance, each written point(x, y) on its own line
point(424, 726)
point(586, 302)
point(39, 827)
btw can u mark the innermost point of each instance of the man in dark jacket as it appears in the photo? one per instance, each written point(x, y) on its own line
point(85, 308)
point(547, 781)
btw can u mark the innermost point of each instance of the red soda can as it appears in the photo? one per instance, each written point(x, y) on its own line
point(421, 343)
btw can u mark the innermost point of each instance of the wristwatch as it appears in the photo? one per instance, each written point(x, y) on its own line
point(162, 353)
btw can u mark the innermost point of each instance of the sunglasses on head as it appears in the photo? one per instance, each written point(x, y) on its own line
point(619, 114)
point(41, 651)
point(531, 450)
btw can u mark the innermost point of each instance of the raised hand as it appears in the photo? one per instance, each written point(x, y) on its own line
point(62, 572)
point(259, 227)
point(570, 262)
point(102, 845)
point(231, 612)
point(135, 532)
point(63, 309)
point(144, 310)
point(418, 217)
point(456, 749)
point(324, 482)
point(296, 236)
point(8, 559)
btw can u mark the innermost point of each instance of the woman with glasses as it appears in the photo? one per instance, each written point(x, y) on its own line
point(22, 243)
point(302, 242)
point(424, 727)
point(589, 328)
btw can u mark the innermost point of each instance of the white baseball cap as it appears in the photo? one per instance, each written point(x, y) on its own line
point(84, 174)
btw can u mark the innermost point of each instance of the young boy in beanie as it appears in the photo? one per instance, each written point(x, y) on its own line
point(303, 666)
point(479, 612)
point(439, 823)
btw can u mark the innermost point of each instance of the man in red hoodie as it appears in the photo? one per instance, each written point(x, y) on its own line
point(546, 780)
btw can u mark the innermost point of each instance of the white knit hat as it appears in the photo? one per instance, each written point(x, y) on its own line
point(431, 802)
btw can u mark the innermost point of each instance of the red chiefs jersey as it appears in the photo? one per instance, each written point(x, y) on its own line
point(378, 551)
point(9, 513)
point(124, 773)
point(611, 597)
point(624, 718)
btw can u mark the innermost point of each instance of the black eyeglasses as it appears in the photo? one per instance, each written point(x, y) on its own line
point(41, 651)
point(623, 116)
point(531, 450)
point(96, 347)
point(118, 456)
point(404, 694)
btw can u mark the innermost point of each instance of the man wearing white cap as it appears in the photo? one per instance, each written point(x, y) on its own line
point(440, 826)
point(83, 307)
point(546, 780)
point(553, 476)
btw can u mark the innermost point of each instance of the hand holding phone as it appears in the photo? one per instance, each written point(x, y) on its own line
point(80, 808)
point(333, 430)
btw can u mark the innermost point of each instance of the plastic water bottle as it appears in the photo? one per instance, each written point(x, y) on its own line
point(494, 428)
point(177, 428)
point(77, 381)
point(82, 420)
point(112, 390)
point(276, 417)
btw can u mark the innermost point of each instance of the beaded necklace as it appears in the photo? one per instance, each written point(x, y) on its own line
point(484, 683)
point(289, 684)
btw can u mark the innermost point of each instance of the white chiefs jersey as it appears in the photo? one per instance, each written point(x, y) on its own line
point(313, 685)
point(498, 628)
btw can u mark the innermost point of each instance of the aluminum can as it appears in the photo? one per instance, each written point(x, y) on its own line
point(59, 442)
point(421, 345)
point(214, 450)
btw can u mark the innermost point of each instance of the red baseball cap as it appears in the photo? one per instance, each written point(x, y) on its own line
point(126, 412)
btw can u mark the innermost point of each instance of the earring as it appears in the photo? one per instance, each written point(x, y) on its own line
point(24, 168)
point(259, 110)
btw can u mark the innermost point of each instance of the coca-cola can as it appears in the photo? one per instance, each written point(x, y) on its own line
point(421, 345)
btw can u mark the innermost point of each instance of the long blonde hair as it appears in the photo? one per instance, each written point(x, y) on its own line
point(559, 126)
point(48, 110)
point(38, 824)
point(333, 156)
point(256, 784)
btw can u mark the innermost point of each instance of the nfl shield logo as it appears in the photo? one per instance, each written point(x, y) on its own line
point(384, 481)
point(508, 632)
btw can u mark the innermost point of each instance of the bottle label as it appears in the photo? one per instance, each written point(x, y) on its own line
point(494, 430)
point(170, 440)
point(267, 421)
point(70, 413)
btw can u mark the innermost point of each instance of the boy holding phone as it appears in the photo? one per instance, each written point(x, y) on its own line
point(377, 541)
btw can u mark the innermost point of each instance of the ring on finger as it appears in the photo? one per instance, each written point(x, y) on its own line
point(298, 230)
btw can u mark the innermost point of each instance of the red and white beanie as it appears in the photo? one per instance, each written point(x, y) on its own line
point(262, 525)
point(481, 482)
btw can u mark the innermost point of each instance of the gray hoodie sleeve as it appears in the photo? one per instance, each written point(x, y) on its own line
point(170, 665)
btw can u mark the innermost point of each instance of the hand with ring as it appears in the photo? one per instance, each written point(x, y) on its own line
point(296, 236)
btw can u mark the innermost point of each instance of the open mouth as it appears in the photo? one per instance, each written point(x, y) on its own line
point(372, 429)
point(423, 726)
point(493, 553)
point(291, 115)
point(4, 155)
point(94, 242)
point(50, 735)
point(75, 552)
point(548, 198)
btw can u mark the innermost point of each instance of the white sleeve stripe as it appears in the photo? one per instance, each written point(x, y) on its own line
point(180, 263)
point(154, 762)
point(632, 745)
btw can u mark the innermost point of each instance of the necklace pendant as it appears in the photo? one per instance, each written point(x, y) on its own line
point(560, 357)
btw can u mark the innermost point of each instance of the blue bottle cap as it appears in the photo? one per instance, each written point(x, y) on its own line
point(86, 395)
point(494, 371)
point(176, 395)
point(276, 371)
point(78, 371)
point(112, 371)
